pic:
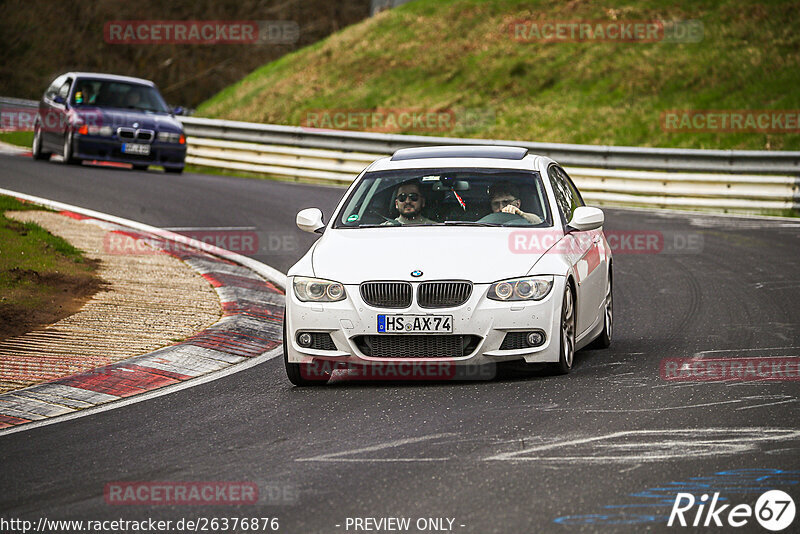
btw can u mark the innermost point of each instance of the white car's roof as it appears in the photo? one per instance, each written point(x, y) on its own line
point(490, 157)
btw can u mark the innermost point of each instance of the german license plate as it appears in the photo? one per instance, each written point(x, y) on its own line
point(415, 324)
point(136, 148)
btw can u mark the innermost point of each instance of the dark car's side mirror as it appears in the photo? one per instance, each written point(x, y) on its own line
point(178, 110)
point(59, 100)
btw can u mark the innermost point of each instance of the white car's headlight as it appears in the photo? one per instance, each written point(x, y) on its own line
point(318, 290)
point(521, 289)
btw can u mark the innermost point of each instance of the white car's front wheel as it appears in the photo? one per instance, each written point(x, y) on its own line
point(603, 341)
point(566, 354)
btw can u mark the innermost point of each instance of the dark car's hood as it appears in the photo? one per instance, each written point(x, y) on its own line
point(160, 122)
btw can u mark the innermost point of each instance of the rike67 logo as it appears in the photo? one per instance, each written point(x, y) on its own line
point(774, 510)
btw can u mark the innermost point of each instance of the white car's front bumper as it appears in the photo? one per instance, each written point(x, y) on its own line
point(489, 320)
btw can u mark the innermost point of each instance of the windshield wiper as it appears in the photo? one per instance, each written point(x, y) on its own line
point(467, 223)
point(380, 225)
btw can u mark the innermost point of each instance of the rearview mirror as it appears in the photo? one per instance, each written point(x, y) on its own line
point(310, 220)
point(585, 218)
point(177, 111)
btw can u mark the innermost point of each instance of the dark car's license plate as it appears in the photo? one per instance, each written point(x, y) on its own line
point(136, 148)
point(415, 324)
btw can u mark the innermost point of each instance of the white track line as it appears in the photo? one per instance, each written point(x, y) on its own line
point(269, 273)
point(166, 390)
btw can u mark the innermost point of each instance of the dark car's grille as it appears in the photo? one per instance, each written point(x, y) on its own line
point(125, 133)
point(443, 294)
point(387, 294)
point(417, 346)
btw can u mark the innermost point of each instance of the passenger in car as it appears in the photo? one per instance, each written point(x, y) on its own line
point(504, 197)
point(409, 202)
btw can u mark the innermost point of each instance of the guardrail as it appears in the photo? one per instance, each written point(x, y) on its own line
point(722, 180)
point(608, 157)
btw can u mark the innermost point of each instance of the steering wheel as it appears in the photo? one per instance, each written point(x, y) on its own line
point(394, 222)
point(506, 219)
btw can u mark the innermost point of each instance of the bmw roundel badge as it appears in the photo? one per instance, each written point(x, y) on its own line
point(416, 274)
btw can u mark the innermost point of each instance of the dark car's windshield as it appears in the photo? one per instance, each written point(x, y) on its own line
point(115, 94)
point(479, 197)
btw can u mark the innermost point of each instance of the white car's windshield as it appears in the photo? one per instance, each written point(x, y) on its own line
point(480, 197)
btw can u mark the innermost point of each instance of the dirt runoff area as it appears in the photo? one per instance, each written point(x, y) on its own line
point(134, 304)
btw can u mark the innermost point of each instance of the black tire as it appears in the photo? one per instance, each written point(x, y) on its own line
point(36, 146)
point(566, 335)
point(603, 341)
point(66, 152)
point(140, 167)
point(173, 170)
point(298, 373)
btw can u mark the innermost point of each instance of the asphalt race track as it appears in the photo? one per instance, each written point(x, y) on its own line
point(605, 449)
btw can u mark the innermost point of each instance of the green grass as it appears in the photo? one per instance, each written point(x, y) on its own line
point(459, 55)
point(37, 269)
point(17, 138)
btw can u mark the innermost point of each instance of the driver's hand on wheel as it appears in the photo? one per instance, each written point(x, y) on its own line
point(514, 210)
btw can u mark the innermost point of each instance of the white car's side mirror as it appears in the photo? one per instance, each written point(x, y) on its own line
point(310, 220)
point(585, 218)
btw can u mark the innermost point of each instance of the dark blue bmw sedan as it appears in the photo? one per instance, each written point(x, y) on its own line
point(103, 117)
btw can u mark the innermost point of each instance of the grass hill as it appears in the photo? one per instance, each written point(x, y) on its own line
point(461, 56)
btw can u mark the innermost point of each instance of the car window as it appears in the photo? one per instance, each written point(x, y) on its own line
point(458, 196)
point(52, 91)
point(561, 193)
point(63, 91)
point(116, 94)
point(567, 196)
point(574, 195)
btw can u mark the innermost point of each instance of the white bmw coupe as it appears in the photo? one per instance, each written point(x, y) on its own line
point(452, 255)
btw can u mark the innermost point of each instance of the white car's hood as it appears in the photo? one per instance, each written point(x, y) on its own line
point(481, 254)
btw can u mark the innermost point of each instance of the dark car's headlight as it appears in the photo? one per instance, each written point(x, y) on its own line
point(521, 289)
point(105, 131)
point(169, 137)
point(318, 290)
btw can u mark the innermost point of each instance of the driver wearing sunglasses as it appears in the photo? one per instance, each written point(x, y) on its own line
point(409, 203)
